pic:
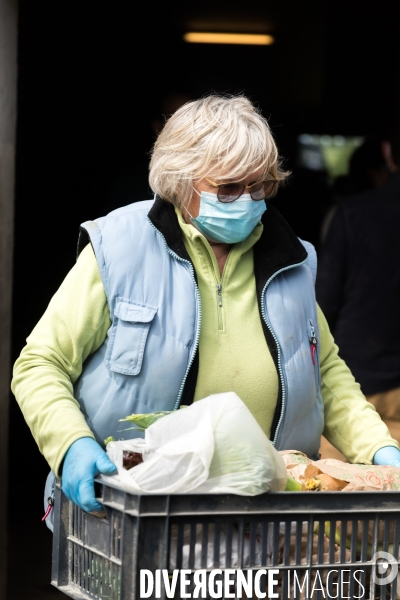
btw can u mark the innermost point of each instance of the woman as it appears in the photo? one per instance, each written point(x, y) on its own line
point(204, 290)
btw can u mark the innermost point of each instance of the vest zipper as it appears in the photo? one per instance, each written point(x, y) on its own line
point(196, 342)
point(314, 355)
point(313, 343)
point(280, 370)
point(50, 504)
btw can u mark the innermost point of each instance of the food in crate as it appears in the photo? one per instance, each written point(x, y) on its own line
point(184, 437)
point(131, 459)
point(334, 475)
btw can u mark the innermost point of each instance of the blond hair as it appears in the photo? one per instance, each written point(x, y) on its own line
point(216, 136)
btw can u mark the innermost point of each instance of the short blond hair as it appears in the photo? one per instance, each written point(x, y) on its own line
point(214, 136)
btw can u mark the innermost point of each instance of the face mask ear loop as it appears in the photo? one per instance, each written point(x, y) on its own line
point(187, 210)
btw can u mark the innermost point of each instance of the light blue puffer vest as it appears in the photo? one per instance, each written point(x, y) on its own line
point(156, 318)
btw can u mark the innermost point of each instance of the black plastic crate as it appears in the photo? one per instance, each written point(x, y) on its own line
point(302, 535)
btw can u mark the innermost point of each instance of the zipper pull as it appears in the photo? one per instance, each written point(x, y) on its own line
point(219, 292)
point(313, 343)
point(50, 504)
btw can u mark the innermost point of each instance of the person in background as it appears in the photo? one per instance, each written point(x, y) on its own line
point(358, 285)
point(204, 289)
point(367, 170)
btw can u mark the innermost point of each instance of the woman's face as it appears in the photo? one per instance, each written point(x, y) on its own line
point(193, 207)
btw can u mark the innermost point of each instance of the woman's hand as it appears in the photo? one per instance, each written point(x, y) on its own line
point(84, 460)
point(389, 456)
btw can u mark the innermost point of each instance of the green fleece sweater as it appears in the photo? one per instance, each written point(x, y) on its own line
point(233, 355)
point(75, 325)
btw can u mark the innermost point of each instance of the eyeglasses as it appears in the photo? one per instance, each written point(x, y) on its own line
point(229, 192)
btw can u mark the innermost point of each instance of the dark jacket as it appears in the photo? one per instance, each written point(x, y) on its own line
point(358, 285)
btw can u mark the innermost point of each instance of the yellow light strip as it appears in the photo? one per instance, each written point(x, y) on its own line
point(201, 37)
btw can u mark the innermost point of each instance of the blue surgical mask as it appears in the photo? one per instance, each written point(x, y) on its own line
point(229, 223)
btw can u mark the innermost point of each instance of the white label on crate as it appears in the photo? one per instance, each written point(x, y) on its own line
point(217, 583)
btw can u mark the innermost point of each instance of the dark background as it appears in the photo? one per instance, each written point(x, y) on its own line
point(93, 79)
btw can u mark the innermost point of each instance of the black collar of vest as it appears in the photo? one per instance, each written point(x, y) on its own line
point(277, 248)
point(162, 215)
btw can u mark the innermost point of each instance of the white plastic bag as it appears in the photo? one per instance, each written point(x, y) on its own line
point(214, 446)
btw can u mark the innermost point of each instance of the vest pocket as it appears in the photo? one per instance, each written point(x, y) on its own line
point(128, 337)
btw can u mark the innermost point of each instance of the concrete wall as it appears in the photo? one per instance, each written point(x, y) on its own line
point(8, 93)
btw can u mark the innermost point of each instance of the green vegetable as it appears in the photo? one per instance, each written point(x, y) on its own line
point(142, 422)
point(292, 485)
point(108, 440)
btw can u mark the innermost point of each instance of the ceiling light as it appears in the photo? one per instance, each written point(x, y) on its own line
point(202, 37)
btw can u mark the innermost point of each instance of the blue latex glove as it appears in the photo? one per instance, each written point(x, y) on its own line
point(389, 455)
point(84, 460)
